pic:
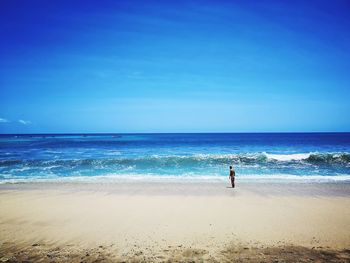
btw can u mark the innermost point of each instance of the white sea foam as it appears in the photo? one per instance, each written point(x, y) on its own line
point(288, 157)
point(118, 178)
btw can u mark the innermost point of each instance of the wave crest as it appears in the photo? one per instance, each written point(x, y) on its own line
point(193, 160)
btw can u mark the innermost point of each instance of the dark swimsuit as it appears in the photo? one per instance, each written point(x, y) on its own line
point(232, 176)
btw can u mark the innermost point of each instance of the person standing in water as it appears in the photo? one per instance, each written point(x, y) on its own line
point(232, 176)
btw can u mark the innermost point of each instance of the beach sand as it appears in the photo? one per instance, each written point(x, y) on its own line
point(174, 221)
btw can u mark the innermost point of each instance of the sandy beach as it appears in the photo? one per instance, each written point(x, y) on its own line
point(124, 124)
point(174, 221)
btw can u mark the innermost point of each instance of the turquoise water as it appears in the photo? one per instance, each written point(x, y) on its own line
point(272, 156)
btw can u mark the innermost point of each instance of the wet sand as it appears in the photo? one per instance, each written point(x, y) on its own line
point(174, 221)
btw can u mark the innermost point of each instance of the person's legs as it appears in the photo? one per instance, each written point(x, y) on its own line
point(233, 181)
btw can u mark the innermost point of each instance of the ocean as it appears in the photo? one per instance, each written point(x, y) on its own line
point(302, 157)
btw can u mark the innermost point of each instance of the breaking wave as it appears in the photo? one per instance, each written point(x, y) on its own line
point(192, 160)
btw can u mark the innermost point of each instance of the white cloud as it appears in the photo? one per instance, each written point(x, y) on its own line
point(24, 122)
point(2, 120)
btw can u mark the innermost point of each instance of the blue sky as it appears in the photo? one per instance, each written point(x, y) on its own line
point(174, 66)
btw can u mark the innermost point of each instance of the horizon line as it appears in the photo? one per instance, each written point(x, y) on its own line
point(115, 133)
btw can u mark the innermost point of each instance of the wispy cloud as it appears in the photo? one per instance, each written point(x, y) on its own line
point(24, 122)
point(2, 120)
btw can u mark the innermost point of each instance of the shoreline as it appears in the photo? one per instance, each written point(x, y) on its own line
point(164, 187)
point(175, 222)
point(117, 178)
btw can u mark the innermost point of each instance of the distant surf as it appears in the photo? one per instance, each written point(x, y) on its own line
point(301, 157)
point(188, 160)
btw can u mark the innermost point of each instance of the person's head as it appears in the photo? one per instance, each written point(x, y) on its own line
point(230, 167)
